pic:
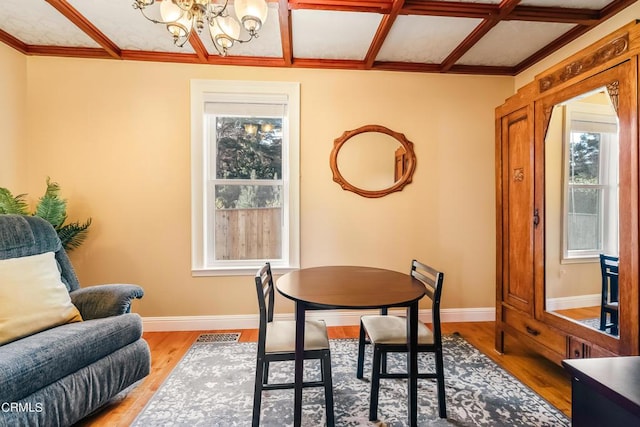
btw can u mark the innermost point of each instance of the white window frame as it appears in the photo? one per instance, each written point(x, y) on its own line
point(601, 116)
point(203, 91)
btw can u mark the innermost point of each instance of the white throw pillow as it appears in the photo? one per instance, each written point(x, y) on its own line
point(32, 297)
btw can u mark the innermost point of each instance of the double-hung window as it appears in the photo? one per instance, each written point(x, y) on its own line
point(591, 181)
point(245, 190)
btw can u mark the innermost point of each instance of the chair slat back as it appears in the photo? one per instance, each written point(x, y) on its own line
point(266, 298)
point(609, 267)
point(432, 280)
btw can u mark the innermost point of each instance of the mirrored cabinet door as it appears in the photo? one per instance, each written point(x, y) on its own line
point(585, 184)
point(567, 201)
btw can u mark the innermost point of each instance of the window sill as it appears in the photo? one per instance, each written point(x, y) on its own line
point(237, 271)
point(581, 260)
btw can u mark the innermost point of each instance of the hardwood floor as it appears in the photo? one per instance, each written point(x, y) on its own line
point(581, 313)
point(167, 348)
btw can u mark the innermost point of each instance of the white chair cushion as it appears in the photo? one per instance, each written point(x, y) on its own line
point(393, 330)
point(281, 336)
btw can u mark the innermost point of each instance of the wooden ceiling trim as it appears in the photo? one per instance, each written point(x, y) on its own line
point(565, 39)
point(136, 55)
point(246, 61)
point(374, 6)
point(350, 3)
point(613, 8)
point(381, 34)
point(284, 14)
point(196, 43)
point(490, 14)
point(435, 68)
point(83, 23)
point(69, 52)
point(572, 34)
point(13, 42)
point(443, 8)
point(339, 64)
point(554, 14)
point(406, 66)
point(482, 69)
point(506, 7)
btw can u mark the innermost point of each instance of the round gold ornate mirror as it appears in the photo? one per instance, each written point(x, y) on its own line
point(377, 161)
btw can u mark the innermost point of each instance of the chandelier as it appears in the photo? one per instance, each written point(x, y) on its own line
point(182, 16)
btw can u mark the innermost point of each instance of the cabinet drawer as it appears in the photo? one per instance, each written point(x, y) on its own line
point(577, 349)
point(596, 351)
point(549, 337)
point(581, 349)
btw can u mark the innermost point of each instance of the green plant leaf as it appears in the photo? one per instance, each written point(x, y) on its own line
point(73, 234)
point(10, 204)
point(51, 207)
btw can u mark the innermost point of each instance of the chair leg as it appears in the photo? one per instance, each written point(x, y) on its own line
point(375, 383)
point(603, 319)
point(361, 344)
point(328, 388)
point(265, 375)
point(614, 323)
point(442, 398)
point(257, 392)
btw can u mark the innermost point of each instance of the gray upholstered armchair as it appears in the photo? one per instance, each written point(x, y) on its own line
point(59, 370)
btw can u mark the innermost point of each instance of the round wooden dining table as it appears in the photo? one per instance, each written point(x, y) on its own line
point(353, 287)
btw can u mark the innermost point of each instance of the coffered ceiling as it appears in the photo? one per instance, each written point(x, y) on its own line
point(472, 37)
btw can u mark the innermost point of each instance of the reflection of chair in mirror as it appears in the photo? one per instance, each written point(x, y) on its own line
point(609, 303)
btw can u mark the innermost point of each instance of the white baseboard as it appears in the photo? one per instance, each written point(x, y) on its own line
point(563, 303)
point(332, 317)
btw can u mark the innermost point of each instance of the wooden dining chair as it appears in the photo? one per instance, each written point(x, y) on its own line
point(609, 301)
point(388, 334)
point(276, 342)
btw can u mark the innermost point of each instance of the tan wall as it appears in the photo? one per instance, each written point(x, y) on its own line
point(115, 135)
point(13, 89)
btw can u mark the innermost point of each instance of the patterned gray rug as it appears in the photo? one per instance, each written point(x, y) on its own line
point(213, 386)
point(592, 323)
point(595, 324)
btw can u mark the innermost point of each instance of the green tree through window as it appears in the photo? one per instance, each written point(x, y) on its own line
point(248, 149)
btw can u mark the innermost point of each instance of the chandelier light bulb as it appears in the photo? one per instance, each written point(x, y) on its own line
point(181, 16)
point(224, 31)
point(182, 27)
point(229, 26)
point(170, 11)
point(252, 14)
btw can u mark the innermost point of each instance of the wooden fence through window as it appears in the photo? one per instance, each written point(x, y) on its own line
point(248, 234)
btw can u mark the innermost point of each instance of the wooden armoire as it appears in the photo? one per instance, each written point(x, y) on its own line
point(566, 189)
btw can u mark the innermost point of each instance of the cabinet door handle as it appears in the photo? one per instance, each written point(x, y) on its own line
point(536, 217)
point(532, 331)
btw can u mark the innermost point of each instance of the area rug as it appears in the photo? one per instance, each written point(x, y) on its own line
point(213, 386)
point(595, 324)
